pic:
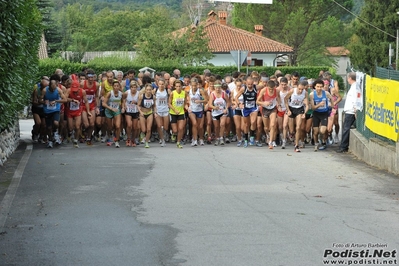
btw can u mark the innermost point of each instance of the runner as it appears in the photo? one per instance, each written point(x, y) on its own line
point(219, 103)
point(236, 103)
point(52, 97)
point(320, 101)
point(269, 98)
point(333, 117)
point(130, 101)
point(39, 127)
point(91, 88)
point(112, 104)
point(146, 108)
point(209, 89)
point(196, 99)
point(177, 102)
point(76, 98)
point(282, 117)
point(162, 110)
point(249, 109)
point(297, 102)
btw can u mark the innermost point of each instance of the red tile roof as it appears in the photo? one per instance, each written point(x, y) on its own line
point(338, 51)
point(225, 38)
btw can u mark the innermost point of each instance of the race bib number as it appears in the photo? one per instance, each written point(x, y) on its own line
point(52, 106)
point(250, 104)
point(131, 108)
point(115, 105)
point(148, 103)
point(162, 101)
point(90, 98)
point(296, 103)
point(74, 106)
point(179, 102)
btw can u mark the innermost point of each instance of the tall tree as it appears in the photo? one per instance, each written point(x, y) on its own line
point(290, 21)
point(370, 43)
point(188, 47)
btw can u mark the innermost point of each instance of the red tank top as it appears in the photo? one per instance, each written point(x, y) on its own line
point(73, 107)
point(267, 97)
point(91, 94)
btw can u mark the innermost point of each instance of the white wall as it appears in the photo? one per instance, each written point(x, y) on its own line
point(227, 59)
point(342, 64)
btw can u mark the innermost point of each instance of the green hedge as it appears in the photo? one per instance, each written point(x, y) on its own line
point(48, 66)
point(19, 41)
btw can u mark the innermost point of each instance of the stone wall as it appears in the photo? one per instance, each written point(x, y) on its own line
point(375, 152)
point(9, 140)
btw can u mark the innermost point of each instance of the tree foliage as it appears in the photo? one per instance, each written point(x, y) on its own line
point(187, 48)
point(369, 45)
point(300, 24)
point(19, 41)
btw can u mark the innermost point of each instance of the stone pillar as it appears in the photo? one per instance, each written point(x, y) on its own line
point(9, 140)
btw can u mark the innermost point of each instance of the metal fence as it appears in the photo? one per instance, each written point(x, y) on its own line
point(381, 73)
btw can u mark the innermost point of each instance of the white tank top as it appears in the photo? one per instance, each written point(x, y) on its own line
point(221, 102)
point(195, 107)
point(282, 96)
point(297, 99)
point(234, 92)
point(130, 106)
point(115, 101)
point(162, 101)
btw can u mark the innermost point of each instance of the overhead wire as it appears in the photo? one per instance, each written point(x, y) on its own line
point(359, 18)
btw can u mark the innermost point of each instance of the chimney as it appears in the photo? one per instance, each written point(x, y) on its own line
point(258, 30)
point(222, 17)
point(212, 15)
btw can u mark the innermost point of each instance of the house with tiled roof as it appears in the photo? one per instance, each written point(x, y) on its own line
point(224, 38)
point(341, 57)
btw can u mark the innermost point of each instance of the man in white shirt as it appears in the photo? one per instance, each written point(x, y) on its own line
point(350, 109)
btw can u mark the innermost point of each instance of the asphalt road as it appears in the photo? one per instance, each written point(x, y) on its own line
point(194, 206)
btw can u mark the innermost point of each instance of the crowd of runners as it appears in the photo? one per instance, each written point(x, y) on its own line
point(198, 109)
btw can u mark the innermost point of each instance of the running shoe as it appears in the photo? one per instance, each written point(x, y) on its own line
point(173, 138)
point(221, 141)
point(103, 139)
point(209, 140)
point(234, 138)
point(239, 143)
point(201, 142)
point(57, 139)
point(258, 144)
point(166, 134)
point(179, 145)
point(109, 142)
point(128, 143)
point(160, 141)
point(216, 142)
point(192, 143)
point(336, 139)
point(195, 142)
point(271, 146)
point(316, 147)
point(117, 144)
point(274, 144)
point(163, 143)
point(228, 140)
point(296, 149)
point(35, 138)
point(75, 144)
point(49, 144)
point(245, 143)
point(252, 141)
point(323, 146)
point(283, 146)
point(88, 142)
point(146, 145)
point(330, 140)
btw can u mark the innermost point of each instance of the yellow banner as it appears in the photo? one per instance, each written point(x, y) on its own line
point(382, 107)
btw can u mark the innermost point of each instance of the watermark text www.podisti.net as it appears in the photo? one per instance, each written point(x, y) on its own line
point(360, 254)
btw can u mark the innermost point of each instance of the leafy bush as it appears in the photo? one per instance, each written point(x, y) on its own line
point(47, 66)
point(19, 41)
